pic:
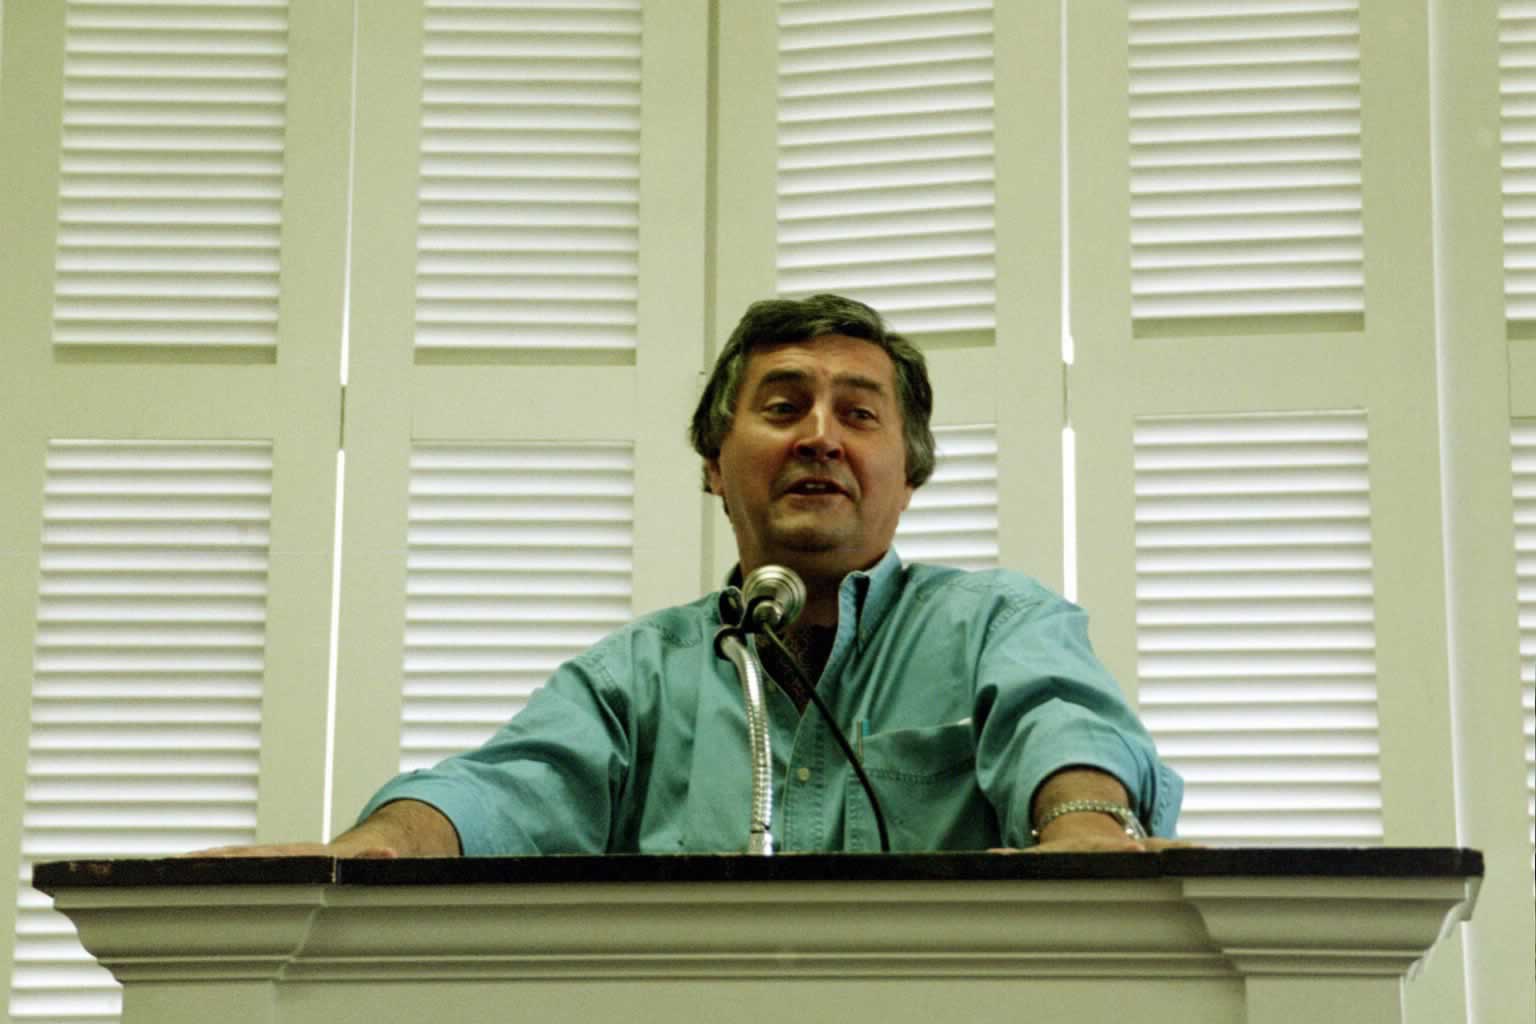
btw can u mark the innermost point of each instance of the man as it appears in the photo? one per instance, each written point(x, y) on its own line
point(977, 706)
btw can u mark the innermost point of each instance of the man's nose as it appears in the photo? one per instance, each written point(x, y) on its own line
point(822, 435)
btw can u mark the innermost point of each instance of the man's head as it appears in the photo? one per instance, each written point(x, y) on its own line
point(814, 430)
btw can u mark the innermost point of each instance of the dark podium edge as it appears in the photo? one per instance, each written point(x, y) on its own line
point(1207, 862)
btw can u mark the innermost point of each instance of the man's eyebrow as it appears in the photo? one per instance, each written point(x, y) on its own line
point(784, 376)
point(855, 380)
point(844, 380)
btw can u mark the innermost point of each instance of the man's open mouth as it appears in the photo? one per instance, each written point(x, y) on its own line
point(814, 487)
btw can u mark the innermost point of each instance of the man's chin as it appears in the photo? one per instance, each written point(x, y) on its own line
point(819, 553)
point(810, 540)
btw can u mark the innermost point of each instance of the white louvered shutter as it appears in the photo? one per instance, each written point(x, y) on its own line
point(1523, 446)
point(146, 700)
point(1517, 88)
point(1255, 624)
point(885, 183)
point(520, 557)
point(952, 519)
point(171, 183)
point(528, 232)
point(1245, 160)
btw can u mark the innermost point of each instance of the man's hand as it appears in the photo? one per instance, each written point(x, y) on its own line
point(1093, 840)
point(402, 828)
point(1087, 831)
point(1091, 832)
point(335, 848)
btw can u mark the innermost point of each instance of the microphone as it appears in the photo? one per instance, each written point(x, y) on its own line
point(773, 596)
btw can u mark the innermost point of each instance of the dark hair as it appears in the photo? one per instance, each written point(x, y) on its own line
point(786, 321)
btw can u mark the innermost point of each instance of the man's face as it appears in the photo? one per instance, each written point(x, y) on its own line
point(814, 468)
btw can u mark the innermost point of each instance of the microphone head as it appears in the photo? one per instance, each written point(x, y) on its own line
point(774, 596)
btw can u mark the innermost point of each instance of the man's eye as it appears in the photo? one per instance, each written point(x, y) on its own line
point(867, 415)
point(779, 408)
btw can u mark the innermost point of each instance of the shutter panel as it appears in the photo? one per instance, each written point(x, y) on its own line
point(171, 183)
point(885, 185)
point(520, 557)
point(1517, 88)
point(1245, 160)
point(1255, 623)
point(146, 701)
point(1523, 445)
point(953, 517)
point(528, 237)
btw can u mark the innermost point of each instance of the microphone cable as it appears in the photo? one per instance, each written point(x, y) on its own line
point(837, 734)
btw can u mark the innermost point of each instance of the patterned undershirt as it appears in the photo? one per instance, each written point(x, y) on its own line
point(811, 646)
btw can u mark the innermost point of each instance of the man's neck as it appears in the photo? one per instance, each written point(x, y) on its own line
point(822, 589)
point(820, 602)
point(811, 646)
point(811, 637)
point(821, 595)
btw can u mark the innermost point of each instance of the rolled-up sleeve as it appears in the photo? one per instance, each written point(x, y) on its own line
point(546, 782)
point(1045, 702)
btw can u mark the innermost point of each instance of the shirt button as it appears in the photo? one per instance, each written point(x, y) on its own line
point(804, 775)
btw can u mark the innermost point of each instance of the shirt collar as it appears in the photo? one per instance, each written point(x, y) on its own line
point(868, 594)
point(863, 597)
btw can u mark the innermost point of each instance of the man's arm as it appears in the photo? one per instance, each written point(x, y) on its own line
point(1086, 831)
point(1055, 727)
point(402, 828)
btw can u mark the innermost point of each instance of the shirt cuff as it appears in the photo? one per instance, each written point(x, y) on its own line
point(446, 797)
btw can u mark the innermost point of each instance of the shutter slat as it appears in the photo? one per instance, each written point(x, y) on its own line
point(952, 519)
point(1517, 85)
point(1255, 624)
point(1523, 454)
point(528, 222)
point(146, 700)
point(171, 176)
point(1245, 161)
point(902, 94)
point(519, 557)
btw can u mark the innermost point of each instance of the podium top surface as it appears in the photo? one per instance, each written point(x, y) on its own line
point(1265, 862)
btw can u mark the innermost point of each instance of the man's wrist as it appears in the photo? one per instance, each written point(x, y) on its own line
point(403, 828)
point(1092, 815)
point(359, 840)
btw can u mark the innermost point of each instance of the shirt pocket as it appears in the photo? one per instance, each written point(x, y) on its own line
point(926, 781)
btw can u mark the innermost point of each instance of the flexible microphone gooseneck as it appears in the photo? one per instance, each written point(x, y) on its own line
point(773, 596)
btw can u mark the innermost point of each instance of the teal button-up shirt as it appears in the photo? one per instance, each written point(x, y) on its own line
point(964, 691)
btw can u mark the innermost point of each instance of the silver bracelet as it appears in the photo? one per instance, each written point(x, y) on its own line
point(1119, 812)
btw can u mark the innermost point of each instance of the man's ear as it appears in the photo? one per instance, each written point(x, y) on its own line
point(717, 484)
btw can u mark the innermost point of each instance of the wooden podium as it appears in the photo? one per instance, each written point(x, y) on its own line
point(1258, 935)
